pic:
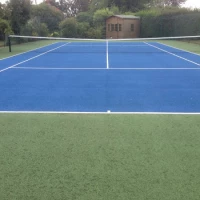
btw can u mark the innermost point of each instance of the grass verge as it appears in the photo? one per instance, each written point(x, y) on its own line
point(83, 157)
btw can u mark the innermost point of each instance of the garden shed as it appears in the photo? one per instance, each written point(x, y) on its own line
point(122, 26)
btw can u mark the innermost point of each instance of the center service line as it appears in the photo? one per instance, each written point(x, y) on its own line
point(107, 59)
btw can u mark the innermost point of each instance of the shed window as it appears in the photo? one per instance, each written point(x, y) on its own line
point(132, 27)
point(120, 27)
point(116, 27)
point(112, 27)
point(109, 27)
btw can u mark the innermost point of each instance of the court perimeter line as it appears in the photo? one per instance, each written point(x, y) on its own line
point(104, 113)
point(179, 49)
point(173, 54)
point(62, 68)
point(28, 51)
point(33, 57)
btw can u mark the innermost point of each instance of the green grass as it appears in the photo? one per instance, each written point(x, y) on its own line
point(188, 45)
point(83, 157)
point(1, 43)
point(23, 47)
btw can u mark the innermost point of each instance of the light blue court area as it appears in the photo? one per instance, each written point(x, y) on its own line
point(101, 77)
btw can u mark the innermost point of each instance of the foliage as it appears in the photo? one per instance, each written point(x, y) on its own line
point(96, 5)
point(169, 22)
point(48, 14)
point(95, 32)
point(85, 17)
point(82, 28)
point(71, 7)
point(20, 13)
point(1, 10)
point(5, 12)
point(68, 27)
point(128, 5)
point(55, 34)
point(5, 28)
point(100, 16)
point(35, 27)
point(115, 10)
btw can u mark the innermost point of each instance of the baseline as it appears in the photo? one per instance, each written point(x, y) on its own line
point(104, 113)
point(71, 68)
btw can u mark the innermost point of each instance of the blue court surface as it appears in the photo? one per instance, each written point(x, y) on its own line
point(102, 77)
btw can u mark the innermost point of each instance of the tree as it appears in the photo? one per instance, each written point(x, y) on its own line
point(174, 2)
point(5, 29)
point(164, 3)
point(4, 26)
point(35, 27)
point(5, 12)
point(99, 4)
point(95, 32)
point(100, 16)
point(85, 17)
point(82, 28)
point(52, 3)
point(99, 19)
point(48, 14)
point(1, 10)
point(20, 13)
point(68, 27)
point(128, 5)
point(72, 7)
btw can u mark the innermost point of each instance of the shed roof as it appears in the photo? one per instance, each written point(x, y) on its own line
point(126, 16)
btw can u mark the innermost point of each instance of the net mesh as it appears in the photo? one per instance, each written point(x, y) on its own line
point(183, 44)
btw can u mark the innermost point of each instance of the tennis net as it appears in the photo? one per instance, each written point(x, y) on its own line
point(182, 44)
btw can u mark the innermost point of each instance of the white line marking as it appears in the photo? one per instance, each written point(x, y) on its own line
point(173, 54)
point(129, 45)
point(28, 51)
point(107, 59)
point(63, 68)
point(56, 68)
point(4, 69)
point(155, 68)
point(32, 58)
point(178, 49)
point(110, 113)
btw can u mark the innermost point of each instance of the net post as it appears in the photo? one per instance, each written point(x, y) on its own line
point(9, 44)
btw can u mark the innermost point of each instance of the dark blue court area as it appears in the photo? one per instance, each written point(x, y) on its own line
point(101, 77)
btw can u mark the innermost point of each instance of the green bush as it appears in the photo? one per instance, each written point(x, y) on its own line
point(85, 17)
point(55, 34)
point(169, 22)
point(35, 28)
point(82, 28)
point(68, 27)
point(5, 27)
point(95, 33)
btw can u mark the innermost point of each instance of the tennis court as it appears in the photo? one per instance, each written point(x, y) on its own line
point(101, 77)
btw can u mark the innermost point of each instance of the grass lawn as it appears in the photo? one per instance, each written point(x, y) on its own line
point(1, 43)
point(63, 156)
point(23, 47)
